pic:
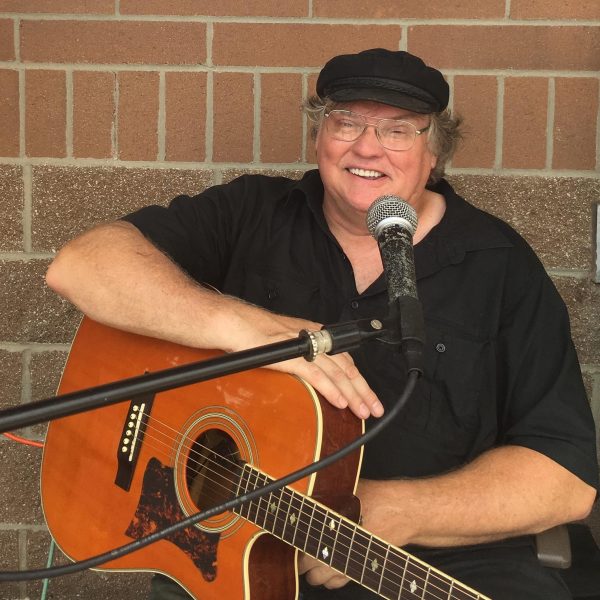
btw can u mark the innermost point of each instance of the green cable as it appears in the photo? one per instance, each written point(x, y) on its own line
point(48, 565)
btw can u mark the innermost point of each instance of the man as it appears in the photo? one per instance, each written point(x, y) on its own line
point(497, 442)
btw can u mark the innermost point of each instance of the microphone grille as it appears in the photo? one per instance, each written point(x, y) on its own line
point(391, 210)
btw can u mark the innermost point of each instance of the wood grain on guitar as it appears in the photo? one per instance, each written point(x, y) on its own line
point(118, 473)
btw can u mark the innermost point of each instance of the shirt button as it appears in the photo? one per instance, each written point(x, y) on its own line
point(440, 347)
point(354, 304)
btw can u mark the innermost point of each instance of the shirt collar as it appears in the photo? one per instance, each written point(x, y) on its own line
point(463, 228)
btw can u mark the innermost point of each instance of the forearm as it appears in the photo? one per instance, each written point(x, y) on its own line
point(116, 276)
point(506, 492)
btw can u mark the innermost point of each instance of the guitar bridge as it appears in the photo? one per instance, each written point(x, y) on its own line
point(132, 437)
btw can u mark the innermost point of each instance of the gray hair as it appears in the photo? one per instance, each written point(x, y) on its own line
point(443, 134)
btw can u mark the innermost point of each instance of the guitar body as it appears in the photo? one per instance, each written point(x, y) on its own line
point(114, 474)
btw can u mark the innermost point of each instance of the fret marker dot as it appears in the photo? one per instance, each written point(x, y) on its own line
point(332, 524)
point(374, 565)
point(273, 507)
point(325, 553)
point(292, 519)
point(413, 586)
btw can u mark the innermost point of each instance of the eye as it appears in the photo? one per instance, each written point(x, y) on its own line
point(398, 130)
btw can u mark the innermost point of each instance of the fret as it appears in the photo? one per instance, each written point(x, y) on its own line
point(319, 520)
point(336, 541)
point(300, 510)
point(425, 584)
point(383, 569)
point(309, 544)
point(292, 517)
point(414, 580)
point(252, 509)
point(278, 521)
point(354, 530)
point(342, 544)
point(328, 536)
point(245, 479)
point(356, 560)
point(372, 567)
point(286, 498)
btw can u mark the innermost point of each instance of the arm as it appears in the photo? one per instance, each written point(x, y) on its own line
point(505, 492)
point(116, 276)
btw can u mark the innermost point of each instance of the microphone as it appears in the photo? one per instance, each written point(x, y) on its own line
point(393, 222)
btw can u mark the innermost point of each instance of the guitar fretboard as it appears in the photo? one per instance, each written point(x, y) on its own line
point(345, 546)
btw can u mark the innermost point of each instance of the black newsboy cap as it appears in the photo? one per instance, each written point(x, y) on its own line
point(392, 77)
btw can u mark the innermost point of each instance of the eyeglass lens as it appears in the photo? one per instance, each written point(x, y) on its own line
point(392, 133)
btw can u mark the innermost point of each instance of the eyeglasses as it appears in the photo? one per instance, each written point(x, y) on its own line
point(393, 134)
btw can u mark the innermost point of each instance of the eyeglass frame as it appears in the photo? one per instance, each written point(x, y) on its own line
point(376, 126)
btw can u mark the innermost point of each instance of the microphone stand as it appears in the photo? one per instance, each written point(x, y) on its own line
point(332, 339)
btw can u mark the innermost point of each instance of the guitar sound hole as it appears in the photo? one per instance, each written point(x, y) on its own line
point(213, 469)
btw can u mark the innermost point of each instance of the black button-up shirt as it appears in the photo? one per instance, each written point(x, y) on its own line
point(500, 363)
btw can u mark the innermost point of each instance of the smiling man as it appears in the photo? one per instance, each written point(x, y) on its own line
point(497, 442)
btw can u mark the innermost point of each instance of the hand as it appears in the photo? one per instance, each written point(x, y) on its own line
point(335, 377)
point(319, 574)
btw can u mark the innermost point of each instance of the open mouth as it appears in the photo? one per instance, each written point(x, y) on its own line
point(366, 173)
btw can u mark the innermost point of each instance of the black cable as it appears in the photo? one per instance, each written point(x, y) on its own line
point(229, 505)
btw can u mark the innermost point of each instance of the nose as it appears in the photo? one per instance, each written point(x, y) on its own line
point(368, 143)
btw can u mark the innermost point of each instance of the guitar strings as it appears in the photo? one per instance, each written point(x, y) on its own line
point(191, 451)
point(429, 577)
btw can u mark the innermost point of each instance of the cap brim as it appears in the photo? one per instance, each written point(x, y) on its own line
point(385, 96)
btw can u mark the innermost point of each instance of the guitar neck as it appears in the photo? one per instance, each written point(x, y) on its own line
point(340, 543)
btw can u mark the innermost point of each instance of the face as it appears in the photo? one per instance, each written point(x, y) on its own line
point(355, 173)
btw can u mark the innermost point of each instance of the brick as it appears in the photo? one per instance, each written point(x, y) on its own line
point(233, 120)
point(31, 312)
point(410, 9)
point(185, 116)
point(137, 122)
point(116, 42)
point(475, 99)
point(9, 112)
point(582, 298)
point(249, 8)
point(553, 214)
point(575, 114)
point(312, 45)
point(45, 113)
point(9, 558)
point(11, 376)
point(59, 6)
point(69, 200)
point(7, 40)
point(525, 121)
point(11, 208)
point(93, 114)
point(20, 474)
point(555, 9)
point(281, 118)
point(507, 47)
point(45, 370)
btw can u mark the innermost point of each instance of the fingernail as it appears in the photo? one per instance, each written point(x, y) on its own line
point(364, 411)
point(377, 409)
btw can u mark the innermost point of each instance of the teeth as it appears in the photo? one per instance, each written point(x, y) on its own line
point(366, 173)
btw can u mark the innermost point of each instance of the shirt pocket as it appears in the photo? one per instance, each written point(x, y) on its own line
point(456, 366)
point(283, 293)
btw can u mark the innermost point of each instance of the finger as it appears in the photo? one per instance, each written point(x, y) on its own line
point(343, 385)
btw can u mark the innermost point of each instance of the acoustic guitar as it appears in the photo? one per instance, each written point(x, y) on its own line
point(115, 474)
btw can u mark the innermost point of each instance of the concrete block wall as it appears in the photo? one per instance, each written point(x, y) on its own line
point(107, 105)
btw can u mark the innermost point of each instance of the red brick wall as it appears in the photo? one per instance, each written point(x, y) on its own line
point(106, 105)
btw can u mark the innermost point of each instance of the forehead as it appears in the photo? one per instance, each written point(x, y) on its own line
point(377, 109)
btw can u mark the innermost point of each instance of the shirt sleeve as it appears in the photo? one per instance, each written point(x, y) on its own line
point(197, 232)
point(547, 408)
